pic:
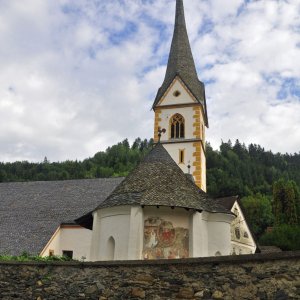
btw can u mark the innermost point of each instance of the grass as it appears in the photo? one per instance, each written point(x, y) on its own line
point(28, 257)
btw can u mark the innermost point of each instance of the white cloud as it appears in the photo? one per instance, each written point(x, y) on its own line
point(78, 76)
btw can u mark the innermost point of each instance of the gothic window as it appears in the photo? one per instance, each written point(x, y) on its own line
point(177, 126)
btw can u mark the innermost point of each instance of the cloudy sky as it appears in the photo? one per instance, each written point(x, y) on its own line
point(79, 76)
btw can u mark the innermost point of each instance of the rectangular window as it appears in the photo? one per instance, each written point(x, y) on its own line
point(181, 156)
point(67, 253)
point(51, 252)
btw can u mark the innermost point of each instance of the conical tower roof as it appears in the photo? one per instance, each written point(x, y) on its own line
point(159, 181)
point(181, 62)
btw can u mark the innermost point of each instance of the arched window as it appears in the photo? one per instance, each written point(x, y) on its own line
point(110, 249)
point(177, 126)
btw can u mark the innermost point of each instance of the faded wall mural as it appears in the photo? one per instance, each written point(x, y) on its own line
point(163, 240)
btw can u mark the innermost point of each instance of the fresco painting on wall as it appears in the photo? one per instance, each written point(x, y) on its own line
point(164, 241)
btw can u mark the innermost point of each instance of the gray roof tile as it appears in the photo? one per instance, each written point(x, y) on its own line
point(30, 212)
point(159, 181)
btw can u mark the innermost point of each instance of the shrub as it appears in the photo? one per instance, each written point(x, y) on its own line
point(286, 237)
point(28, 257)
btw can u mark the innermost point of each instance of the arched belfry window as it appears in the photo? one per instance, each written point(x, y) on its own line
point(177, 126)
point(110, 250)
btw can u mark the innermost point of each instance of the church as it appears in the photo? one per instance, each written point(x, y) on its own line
point(161, 209)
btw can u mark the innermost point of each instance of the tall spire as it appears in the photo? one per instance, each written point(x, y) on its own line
point(181, 62)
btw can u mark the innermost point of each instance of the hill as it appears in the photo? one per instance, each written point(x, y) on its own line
point(231, 170)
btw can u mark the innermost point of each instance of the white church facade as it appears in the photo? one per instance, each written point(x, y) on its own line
point(161, 209)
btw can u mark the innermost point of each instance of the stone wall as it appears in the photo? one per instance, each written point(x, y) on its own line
point(259, 276)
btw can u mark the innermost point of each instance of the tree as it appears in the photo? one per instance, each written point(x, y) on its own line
point(284, 236)
point(259, 213)
point(285, 194)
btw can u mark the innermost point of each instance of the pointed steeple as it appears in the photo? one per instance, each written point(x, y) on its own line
point(181, 62)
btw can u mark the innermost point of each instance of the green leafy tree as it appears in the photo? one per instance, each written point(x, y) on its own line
point(259, 213)
point(285, 195)
point(284, 236)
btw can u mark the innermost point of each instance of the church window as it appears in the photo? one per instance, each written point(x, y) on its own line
point(181, 156)
point(67, 253)
point(51, 252)
point(218, 253)
point(110, 250)
point(177, 126)
point(176, 94)
point(246, 235)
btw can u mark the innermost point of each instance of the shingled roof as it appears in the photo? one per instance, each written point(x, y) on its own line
point(181, 62)
point(228, 202)
point(30, 212)
point(159, 181)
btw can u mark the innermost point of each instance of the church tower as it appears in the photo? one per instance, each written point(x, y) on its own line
point(180, 106)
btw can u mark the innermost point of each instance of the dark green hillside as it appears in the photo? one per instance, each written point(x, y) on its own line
point(231, 170)
point(240, 170)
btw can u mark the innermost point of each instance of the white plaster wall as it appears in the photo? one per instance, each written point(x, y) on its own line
point(166, 115)
point(135, 244)
point(240, 249)
point(242, 245)
point(219, 237)
point(111, 222)
point(198, 235)
point(183, 98)
point(178, 216)
point(53, 244)
point(77, 239)
point(173, 150)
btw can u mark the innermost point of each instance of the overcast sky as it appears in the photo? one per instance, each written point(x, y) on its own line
point(79, 76)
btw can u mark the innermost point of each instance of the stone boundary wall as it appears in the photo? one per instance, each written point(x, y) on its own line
point(258, 276)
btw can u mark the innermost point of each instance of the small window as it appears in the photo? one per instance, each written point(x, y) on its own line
point(181, 156)
point(237, 233)
point(246, 235)
point(218, 253)
point(176, 94)
point(67, 253)
point(51, 252)
point(236, 211)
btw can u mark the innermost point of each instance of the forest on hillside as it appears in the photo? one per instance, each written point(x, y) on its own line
point(267, 182)
point(233, 169)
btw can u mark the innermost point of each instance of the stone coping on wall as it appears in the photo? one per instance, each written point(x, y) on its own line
point(232, 259)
